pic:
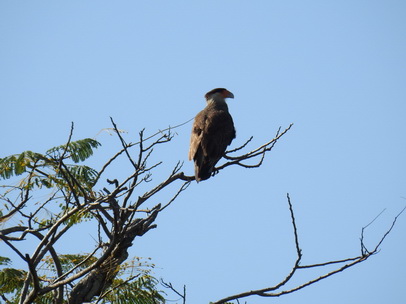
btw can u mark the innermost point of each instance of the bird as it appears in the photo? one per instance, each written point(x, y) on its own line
point(213, 130)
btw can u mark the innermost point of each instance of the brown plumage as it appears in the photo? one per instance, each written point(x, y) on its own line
point(213, 130)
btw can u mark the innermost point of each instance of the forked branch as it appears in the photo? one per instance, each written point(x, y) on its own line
point(258, 152)
point(277, 290)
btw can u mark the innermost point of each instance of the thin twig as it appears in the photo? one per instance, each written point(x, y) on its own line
point(260, 151)
point(124, 144)
point(170, 286)
point(181, 189)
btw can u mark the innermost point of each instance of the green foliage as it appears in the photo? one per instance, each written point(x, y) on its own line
point(134, 284)
point(11, 280)
point(18, 164)
point(140, 288)
point(52, 171)
point(4, 261)
point(77, 151)
point(49, 170)
point(85, 175)
point(70, 261)
point(69, 182)
point(48, 298)
point(140, 291)
point(11, 283)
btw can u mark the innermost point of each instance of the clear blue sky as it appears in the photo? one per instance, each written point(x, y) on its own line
point(336, 69)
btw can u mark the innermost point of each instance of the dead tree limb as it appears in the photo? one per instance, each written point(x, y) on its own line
point(277, 290)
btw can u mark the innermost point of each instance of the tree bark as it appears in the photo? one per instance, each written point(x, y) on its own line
point(101, 278)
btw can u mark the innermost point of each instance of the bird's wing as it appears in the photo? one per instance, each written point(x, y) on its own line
point(212, 132)
point(218, 133)
point(197, 133)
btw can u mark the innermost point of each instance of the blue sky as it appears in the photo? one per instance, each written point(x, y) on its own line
point(336, 69)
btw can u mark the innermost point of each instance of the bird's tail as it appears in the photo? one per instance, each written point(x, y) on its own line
point(203, 171)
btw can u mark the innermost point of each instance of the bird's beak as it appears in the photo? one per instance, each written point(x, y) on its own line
point(230, 95)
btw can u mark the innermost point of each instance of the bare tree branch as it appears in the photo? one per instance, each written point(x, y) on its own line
point(260, 151)
point(170, 286)
point(276, 291)
point(124, 144)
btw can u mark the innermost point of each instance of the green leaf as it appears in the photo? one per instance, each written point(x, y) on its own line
point(17, 164)
point(46, 182)
point(78, 150)
point(84, 174)
point(7, 165)
point(11, 279)
point(4, 261)
point(140, 291)
point(69, 261)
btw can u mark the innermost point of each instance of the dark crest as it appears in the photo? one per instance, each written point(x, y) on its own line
point(214, 91)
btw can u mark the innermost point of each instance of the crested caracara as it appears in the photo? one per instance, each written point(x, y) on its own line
point(213, 130)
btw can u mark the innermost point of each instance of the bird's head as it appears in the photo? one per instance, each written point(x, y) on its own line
point(218, 94)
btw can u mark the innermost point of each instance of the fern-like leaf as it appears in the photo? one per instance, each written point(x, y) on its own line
point(4, 261)
point(83, 174)
point(11, 279)
point(140, 291)
point(78, 151)
point(18, 164)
